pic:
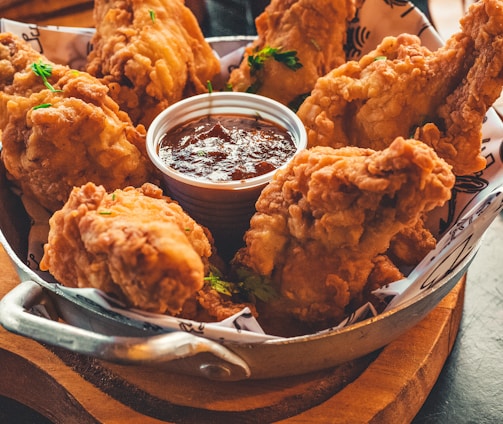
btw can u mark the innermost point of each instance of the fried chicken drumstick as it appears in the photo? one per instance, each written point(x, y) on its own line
point(404, 89)
point(324, 223)
point(151, 54)
point(135, 244)
point(312, 29)
point(60, 129)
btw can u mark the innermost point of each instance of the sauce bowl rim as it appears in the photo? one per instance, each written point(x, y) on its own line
point(200, 105)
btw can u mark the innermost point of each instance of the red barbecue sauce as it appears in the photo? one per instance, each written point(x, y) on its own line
point(226, 147)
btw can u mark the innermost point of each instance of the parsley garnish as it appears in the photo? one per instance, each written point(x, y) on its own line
point(43, 70)
point(152, 15)
point(256, 62)
point(249, 285)
point(42, 106)
point(221, 286)
point(260, 286)
point(288, 57)
point(380, 58)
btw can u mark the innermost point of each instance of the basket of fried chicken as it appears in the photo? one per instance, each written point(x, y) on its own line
point(369, 226)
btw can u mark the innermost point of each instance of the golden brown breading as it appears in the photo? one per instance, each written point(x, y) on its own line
point(217, 306)
point(314, 29)
point(383, 272)
point(411, 244)
point(402, 85)
point(151, 54)
point(79, 136)
point(323, 221)
point(134, 243)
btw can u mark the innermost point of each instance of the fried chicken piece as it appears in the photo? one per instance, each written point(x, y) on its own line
point(324, 221)
point(315, 30)
point(402, 86)
point(411, 244)
point(55, 139)
point(383, 272)
point(151, 54)
point(217, 307)
point(135, 244)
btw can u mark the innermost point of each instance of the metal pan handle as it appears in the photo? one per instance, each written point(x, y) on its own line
point(16, 316)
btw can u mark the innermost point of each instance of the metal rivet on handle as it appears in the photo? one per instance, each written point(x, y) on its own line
point(215, 371)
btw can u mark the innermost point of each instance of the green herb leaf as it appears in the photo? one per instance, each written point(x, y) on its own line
point(260, 286)
point(380, 58)
point(42, 106)
point(288, 57)
point(249, 285)
point(152, 15)
point(256, 62)
point(44, 71)
point(209, 86)
point(222, 287)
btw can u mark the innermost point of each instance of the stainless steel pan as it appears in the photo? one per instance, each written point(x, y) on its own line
point(34, 309)
point(112, 338)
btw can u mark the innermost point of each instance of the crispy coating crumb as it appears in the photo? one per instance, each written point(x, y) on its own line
point(402, 89)
point(134, 243)
point(80, 136)
point(324, 221)
point(151, 54)
point(315, 30)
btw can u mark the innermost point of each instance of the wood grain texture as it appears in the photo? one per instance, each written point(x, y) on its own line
point(389, 386)
point(77, 13)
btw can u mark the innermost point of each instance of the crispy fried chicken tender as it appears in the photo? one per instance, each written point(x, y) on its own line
point(135, 244)
point(404, 89)
point(151, 54)
point(324, 223)
point(315, 30)
point(56, 138)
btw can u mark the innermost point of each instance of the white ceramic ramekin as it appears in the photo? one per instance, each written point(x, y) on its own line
point(226, 207)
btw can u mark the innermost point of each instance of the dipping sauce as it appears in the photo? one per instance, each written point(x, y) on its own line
point(226, 147)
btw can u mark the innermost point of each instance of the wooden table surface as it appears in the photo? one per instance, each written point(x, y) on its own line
point(55, 12)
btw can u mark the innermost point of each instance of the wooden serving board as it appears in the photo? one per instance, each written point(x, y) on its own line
point(55, 12)
point(388, 386)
